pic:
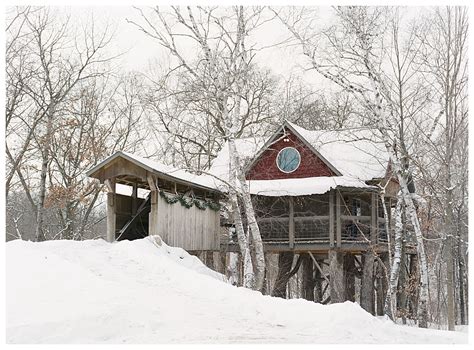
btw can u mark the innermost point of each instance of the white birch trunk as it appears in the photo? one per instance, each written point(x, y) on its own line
point(249, 277)
point(255, 233)
point(390, 301)
point(412, 214)
point(407, 199)
point(238, 173)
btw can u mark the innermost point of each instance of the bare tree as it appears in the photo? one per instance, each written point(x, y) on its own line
point(58, 103)
point(219, 75)
point(353, 60)
point(444, 65)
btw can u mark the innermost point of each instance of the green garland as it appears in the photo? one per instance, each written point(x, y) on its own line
point(169, 199)
point(202, 205)
point(188, 203)
point(213, 205)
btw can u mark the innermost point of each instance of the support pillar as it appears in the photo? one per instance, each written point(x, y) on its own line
point(367, 283)
point(381, 287)
point(153, 216)
point(308, 278)
point(111, 210)
point(349, 277)
point(318, 286)
point(386, 276)
point(336, 276)
point(291, 228)
point(134, 198)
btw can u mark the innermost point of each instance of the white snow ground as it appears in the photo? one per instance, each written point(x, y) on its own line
point(136, 292)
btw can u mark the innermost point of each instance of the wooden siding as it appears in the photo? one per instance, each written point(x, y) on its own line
point(190, 229)
point(265, 167)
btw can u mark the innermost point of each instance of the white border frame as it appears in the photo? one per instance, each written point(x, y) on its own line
point(299, 162)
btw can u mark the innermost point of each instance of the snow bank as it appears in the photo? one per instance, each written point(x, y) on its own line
point(140, 292)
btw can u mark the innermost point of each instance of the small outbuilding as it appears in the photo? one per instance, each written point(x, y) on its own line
point(181, 207)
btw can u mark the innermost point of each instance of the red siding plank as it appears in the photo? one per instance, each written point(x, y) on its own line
point(265, 168)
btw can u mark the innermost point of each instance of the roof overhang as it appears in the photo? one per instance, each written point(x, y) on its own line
point(97, 170)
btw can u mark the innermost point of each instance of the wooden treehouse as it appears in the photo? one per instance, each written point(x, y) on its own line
point(316, 195)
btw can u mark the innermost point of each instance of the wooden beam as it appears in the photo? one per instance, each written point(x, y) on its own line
point(374, 215)
point(355, 217)
point(153, 216)
point(331, 218)
point(295, 219)
point(134, 198)
point(151, 182)
point(111, 210)
point(338, 219)
point(318, 266)
point(291, 226)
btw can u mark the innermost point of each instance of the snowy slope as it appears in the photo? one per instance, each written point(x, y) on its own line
point(137, 292)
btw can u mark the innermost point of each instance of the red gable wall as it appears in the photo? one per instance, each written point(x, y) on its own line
point(265, 168)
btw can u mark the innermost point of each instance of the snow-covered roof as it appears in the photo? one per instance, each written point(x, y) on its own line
point(352, 152)
point(205, 181)
point(302, 187)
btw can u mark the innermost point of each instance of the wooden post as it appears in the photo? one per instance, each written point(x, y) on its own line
point(134, 198)
point(338, 219)
point(336, 279)
point(374, 219)
point(331, 218)
point(291, 228)
point(308, 278)
point(367, 283)
point(218, 263)
point(153, 216)
point(349, 277)
point(381, 285)
point(111, 210)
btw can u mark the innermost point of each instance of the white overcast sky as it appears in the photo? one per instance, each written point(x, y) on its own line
point(140, 51)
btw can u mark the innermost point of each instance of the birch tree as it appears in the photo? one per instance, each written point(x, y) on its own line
point(444, 66)
point(353, 60)
point(220, 72)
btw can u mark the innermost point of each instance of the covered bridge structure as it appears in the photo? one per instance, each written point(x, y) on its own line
point(181, 207)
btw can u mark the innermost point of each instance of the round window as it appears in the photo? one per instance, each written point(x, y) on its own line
point(288, 159)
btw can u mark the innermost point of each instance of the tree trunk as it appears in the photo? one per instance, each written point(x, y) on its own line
point(412, 214)
point(248, 274)
point(254, 232)
point(390, 300)
point(39, 233)
point(449, 256)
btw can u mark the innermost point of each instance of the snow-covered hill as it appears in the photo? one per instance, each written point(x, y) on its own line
point(138, 292)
